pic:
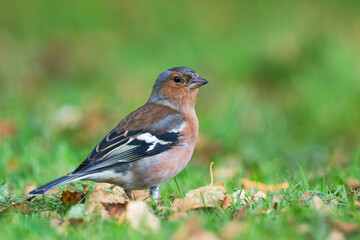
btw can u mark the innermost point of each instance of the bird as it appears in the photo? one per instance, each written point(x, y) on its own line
point(149, 146)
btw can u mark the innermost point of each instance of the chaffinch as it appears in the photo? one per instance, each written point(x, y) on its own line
point(149, 146)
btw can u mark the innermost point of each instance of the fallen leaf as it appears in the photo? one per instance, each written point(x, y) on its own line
point(140, 216)
point(226, 203)
point(186, 205)
point(142, 195)
point(252, 185)
point(104, 193)
point(29, 187)
point(206, 196)
point(73, 197)
point(212, 194)
point(116, 210)
point(29, 199)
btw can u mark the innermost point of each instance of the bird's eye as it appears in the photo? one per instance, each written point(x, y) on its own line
point(177, 79)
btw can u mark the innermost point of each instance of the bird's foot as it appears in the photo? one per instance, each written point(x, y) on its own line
point(154, 192)
point(128, 193)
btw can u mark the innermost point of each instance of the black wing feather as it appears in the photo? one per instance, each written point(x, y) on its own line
point(118, 148)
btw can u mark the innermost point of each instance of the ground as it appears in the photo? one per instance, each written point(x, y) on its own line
point(281, 107)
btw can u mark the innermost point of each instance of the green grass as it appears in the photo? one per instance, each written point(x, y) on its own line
point(281, 103)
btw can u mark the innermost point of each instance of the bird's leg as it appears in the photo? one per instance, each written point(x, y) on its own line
point(128, 193)
point(154, 192)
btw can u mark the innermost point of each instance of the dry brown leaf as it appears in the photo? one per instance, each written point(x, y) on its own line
point(29, 199)
point(142, 195)
point(233, 230)
point(248, 184)
point(29, 187)
point(103, 194)
point(7, 128)
point(212, 195)
point(73, 197)
point(193, 230)
point(140, 216)
point(186, 205)
point(226, 203)
point(116, 210)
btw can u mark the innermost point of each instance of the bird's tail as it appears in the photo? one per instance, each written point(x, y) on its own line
point(56, 183)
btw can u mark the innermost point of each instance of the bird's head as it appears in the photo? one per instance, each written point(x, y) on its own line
point(177, 87)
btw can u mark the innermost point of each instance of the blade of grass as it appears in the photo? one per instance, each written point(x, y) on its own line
point(177, 185)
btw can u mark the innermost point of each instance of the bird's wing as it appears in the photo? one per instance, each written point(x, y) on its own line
point(125, 144)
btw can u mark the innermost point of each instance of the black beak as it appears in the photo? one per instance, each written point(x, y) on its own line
point(197, 82)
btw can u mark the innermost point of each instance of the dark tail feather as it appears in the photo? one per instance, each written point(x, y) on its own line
point(56, 183)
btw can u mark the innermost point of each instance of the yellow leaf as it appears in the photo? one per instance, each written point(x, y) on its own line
point(248, 184)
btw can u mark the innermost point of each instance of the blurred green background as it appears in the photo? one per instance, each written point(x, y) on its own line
point(283, 92)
